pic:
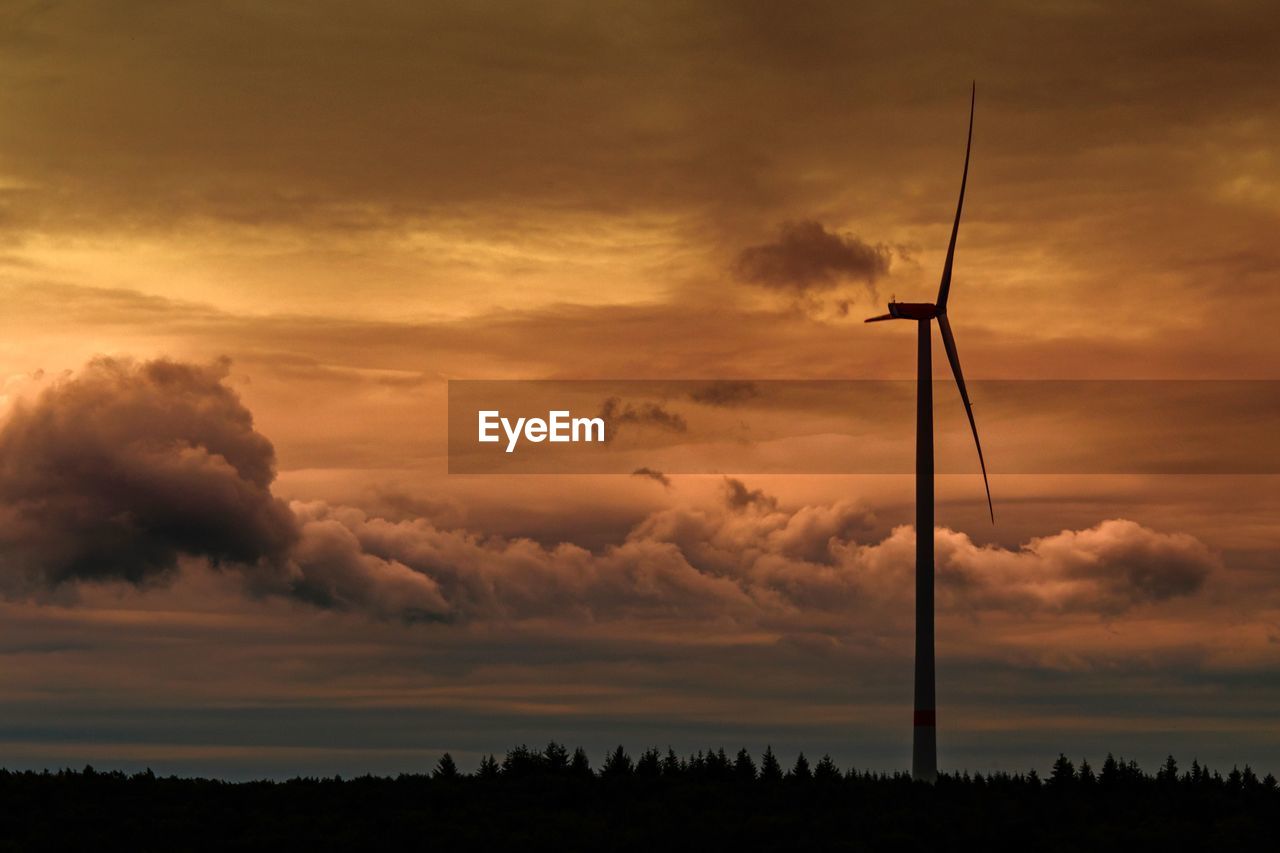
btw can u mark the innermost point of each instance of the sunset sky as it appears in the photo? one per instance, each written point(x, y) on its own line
point(244, 247)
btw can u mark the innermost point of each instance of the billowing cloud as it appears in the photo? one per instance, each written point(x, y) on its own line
point(806, 256)
point(118, 472)
point(1110, 567)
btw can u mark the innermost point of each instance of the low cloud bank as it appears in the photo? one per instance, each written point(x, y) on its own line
point(123, 470)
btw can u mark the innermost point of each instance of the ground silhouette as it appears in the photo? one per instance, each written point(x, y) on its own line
point(553, 799)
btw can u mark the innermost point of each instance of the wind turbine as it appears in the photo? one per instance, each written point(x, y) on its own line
point(924, 746)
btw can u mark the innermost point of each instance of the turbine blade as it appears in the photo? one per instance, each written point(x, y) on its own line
point(949, 341)
point(878, 319)
point(945, 287)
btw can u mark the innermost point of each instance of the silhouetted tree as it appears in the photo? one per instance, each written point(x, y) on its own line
point(744, 769)
point(671, 766)
point(557, 757)
point(522, 762)
point(617, 765)
point(1110, 771)
point(73, 810)
point(1085, 774)
point(801, 772)
point(1168, 773)
point(649, 766)
point(580, 765)
point(445, 768)
point(770, 769)
point(1064, 772)
point(718, 766)
point(1249, 779)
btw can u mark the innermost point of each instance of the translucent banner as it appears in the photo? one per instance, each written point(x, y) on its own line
point(861, 427)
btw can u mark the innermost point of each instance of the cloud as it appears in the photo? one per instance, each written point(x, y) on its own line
point(1111, 567)
point(806, 256)
point(614, 411)
point(656, 476)
point(331, 568)
point(122, 470)
point(738, 496)
point(725, 393)
point(119, 471)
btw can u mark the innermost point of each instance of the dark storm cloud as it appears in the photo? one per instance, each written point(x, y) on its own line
point(656, 476)
point(806, 256)
point(646, 413)
point(119, 471)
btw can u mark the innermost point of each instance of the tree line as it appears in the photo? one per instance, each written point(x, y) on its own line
point(555, 760)
point(555, 798)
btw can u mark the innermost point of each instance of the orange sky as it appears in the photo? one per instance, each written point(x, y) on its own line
point(354, 204)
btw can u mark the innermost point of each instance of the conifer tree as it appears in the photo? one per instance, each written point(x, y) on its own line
point(618, 765)
point(649, 766)
point(580, 764)
point(744, 769)
point(557, 756)
point(718, 766)
point(825, 770)
point(445, 768)
point(1064, 772)
point(1249, 778)
point(489, 768)
point(770, 769)
point(1110, 771)
point(671, 766)
point(521, 761)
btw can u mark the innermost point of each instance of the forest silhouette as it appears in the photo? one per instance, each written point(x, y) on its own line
point(555, 799)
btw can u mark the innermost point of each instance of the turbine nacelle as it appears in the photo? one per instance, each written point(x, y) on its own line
point(908, 311)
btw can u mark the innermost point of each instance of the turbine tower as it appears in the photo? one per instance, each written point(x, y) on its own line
point(924, 746)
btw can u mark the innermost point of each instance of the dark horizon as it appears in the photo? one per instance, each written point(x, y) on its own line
point(247, 249)
point(552, 798)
